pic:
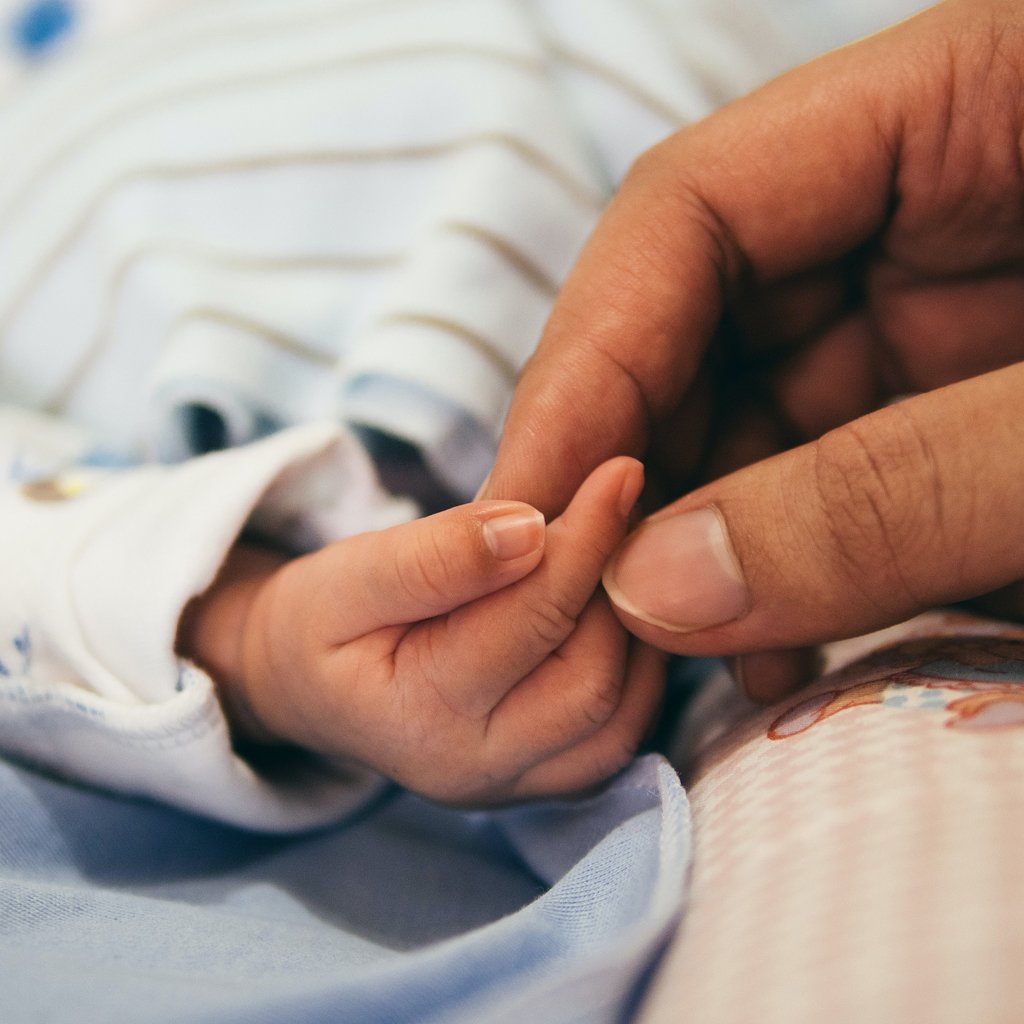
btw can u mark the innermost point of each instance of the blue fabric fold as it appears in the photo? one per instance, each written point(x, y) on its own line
point(118, 910)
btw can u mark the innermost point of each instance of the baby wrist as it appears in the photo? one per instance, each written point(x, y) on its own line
point(214, 633)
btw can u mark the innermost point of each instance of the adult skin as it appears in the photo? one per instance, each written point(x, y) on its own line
point(763, 286)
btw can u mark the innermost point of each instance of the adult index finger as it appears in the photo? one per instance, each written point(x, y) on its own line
point(793, 176)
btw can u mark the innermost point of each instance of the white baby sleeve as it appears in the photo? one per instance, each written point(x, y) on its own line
point(97, 567)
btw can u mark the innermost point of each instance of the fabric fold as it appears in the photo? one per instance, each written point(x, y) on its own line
point(103, 562)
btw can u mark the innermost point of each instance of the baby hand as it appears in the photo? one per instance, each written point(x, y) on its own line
point(469, 656)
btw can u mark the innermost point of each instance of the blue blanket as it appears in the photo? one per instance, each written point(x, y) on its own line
point(115, 910)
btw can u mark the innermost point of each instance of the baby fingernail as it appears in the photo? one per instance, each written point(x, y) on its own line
point(631, 488)
point(679, 573)
point(514, 534)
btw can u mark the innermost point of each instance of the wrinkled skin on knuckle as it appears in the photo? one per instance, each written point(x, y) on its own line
point(549, 622)
point(679, 207)
point(961, 142)
point(681, 226)
point(597, 695)
point(882, 503)
point(421, 666)
point(426, 576)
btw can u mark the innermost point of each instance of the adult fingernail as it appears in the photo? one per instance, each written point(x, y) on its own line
point(514, 534)
point(679, 573)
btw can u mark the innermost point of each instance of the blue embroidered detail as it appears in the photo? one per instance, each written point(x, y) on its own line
point(23, 645)
point(41, 24)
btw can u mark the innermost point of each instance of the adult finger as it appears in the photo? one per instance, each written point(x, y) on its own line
point(758, 191)
point(910, 507)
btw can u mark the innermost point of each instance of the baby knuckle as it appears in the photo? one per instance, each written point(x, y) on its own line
point(550, 623)
point(598, 698)
point(423, 573)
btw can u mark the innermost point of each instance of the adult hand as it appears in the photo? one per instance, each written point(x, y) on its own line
point(764, 285)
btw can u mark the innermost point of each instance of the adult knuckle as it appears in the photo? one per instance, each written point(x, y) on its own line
point(677, 209)
point(647, 167)
point(883, 499)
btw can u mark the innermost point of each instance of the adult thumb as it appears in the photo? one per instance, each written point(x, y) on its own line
point(913, 506)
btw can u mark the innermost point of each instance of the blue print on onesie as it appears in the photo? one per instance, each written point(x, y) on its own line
point(16, 658)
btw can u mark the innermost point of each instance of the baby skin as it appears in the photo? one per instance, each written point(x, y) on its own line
point(469, 656)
